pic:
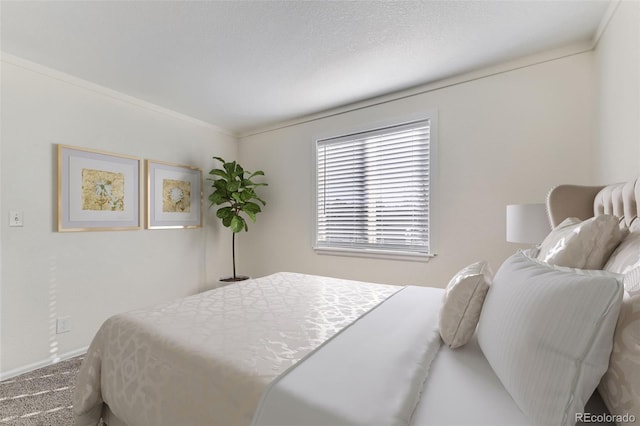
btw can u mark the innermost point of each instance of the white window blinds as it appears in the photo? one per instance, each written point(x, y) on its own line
point(373, 190)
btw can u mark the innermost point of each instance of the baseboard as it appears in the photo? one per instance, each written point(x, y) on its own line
point(44, 363)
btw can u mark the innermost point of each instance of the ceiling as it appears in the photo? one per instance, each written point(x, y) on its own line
point(242, 65)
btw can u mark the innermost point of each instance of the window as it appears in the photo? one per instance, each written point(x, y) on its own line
point(373, 191)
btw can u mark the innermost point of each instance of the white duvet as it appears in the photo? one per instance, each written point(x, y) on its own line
point(208, 359)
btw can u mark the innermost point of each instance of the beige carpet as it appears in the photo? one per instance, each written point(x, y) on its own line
point(41, 397)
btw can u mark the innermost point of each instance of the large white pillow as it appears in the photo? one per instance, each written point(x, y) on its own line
point(620, 386)
point(547, 334)
point(462, 302)
point(582, 244)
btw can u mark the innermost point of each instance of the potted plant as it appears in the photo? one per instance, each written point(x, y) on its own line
point(235, 191)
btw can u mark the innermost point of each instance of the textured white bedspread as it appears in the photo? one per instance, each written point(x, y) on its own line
point(372, 373)
point(206, 359)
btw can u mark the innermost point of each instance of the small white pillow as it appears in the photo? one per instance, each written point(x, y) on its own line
point(462, 303)
point(581, 244)
point(547, 333)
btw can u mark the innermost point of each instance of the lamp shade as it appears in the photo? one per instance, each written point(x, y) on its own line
point(527, 223)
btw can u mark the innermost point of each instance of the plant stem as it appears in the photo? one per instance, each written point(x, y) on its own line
point(233, 249)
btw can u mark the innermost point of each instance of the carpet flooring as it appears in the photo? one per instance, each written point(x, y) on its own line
point(41, 397)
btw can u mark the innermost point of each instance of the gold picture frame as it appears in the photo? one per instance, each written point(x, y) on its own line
point(173, 196)
point(97, 190)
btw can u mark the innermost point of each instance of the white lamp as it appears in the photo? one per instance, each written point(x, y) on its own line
point(527, 223)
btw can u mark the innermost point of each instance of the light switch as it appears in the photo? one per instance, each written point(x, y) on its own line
point(63, 325)
point(16, 218)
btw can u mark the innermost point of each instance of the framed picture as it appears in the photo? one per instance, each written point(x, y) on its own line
point(174, 196)
point(97, 191)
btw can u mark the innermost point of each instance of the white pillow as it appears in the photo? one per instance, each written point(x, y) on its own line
point(620, 386)
point(626, 256)
point(547, 334)
point(582, 244)
point(462, 303)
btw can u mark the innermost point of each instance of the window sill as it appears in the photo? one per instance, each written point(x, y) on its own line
point(375, 254)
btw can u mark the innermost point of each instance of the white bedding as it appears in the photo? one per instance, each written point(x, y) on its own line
point(206, 359)
point(462, 389)
point(457, 388)
point(386, 368)
point(383, 357)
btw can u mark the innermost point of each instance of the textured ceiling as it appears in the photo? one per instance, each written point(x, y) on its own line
point(243, 65)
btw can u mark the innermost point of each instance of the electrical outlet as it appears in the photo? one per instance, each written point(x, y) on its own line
point(63, 325)
point(15, 218)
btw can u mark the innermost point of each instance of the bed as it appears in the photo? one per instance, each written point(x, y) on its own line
point(295, 349)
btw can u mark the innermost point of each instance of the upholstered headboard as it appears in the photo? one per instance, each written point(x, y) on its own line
point(620, 386)
point(583, 202)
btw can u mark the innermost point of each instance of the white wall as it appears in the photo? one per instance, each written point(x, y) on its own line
point(88, 275)
point(617, 58)
point(507, 138)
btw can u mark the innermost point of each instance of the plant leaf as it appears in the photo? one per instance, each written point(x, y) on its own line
point(237, 197)
point(237, 224)
point(224, 212)
point(217, 198)
point(231, 169)
point(220, 184)
point(219, 172)
point(251, 215)
point(251, 207)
